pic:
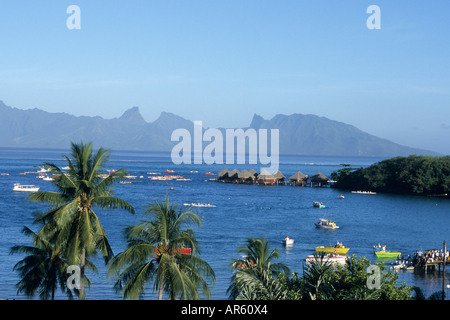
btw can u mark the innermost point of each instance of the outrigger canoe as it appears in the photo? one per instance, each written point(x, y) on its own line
point(340, 250)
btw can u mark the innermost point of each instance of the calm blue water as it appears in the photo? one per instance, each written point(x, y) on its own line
point(404, 223)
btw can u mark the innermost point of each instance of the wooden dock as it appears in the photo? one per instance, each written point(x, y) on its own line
point(431, 266)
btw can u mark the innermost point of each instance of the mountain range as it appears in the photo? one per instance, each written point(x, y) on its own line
point(299, 134)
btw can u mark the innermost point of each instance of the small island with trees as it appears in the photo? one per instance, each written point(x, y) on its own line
point(412, 175)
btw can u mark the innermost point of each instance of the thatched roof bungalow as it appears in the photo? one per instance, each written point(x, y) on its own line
point(223, 174)
point(298, 178)
point(266, 178)
point(233, 175)
point(244, 176)
point(318, 179)
point(279, 176)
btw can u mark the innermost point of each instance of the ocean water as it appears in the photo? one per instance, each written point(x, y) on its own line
point(404, 223)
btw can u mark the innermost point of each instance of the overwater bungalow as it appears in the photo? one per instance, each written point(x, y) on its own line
point(253, 174)
point(298, 179)
point(223, 174)
point(233, 175)
point(244, 176)
point(266, 178)
point(319, 179)
point(279, 176)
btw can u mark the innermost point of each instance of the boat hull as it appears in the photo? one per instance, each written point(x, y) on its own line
point(385, 254)
point(318, 225)
point(22, 188)
point(341, 250)
point(334, 259)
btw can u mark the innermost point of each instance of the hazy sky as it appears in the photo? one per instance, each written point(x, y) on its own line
point(221, 61)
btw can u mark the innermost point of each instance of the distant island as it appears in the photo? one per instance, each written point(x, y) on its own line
point(414, 175)
point(299, 134)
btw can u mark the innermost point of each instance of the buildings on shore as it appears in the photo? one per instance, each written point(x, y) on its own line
point(266, 178)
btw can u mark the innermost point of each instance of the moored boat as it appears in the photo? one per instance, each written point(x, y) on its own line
point(331, 258)
point(25, 188)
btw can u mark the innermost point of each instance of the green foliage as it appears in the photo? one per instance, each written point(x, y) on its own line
point(43, 268)
point(324, 281)
point(256, 277)
point(72, 224)
point(153, 255)
point(418, 175)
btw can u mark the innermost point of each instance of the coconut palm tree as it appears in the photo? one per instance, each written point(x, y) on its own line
point(162, 251)
point(256, 275)
point(42, 269)
point(318, 276)
point(71, 223)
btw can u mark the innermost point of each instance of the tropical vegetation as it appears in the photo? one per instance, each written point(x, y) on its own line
point(71, 225)
point(163, 251)
point(416, 175)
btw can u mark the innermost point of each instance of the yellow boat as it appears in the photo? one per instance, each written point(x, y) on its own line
point(341, 249)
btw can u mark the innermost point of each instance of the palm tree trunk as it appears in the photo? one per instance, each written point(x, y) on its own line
point(161, 284)
point(82, 264)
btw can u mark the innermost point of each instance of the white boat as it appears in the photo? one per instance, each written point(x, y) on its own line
point(326, 224)
point(288, 241)
point(25, 188)
point(204, 205)
point(333, 258)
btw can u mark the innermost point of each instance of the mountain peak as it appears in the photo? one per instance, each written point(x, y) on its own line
point(132, 114)
point(256, 121)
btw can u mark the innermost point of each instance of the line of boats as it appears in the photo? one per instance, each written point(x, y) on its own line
point(338, 253)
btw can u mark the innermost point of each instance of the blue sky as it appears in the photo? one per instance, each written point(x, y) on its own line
point(223, 61)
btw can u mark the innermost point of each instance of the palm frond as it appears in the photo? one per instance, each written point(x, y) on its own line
point(108, 202)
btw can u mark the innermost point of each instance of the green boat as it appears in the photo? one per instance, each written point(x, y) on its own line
point(388, 254)
point(381, 252)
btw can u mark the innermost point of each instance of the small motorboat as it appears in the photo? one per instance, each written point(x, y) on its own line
point(341, 197)
point(288, 241)
point(333, 258)
point(169, 171)
point(339, 249)
point(25, 188)
point(317, 204)
point(326, 224)
point(209, 173)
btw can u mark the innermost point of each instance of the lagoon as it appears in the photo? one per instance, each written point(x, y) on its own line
point(403, 223)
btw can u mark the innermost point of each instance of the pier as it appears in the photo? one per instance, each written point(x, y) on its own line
point(431, 266)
